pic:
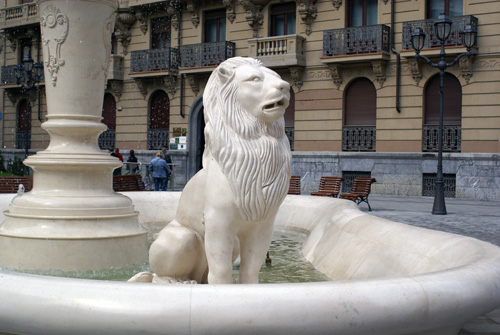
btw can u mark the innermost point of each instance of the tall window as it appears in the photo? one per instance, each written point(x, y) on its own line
point(360, 115)
point(160, 33)
point(452, 115)
point(159, 120)
point(290, 119)
point(450, 7)
point(107, 138)
point(23, 132)
point(362, 13)
point(215, 26)
point(283, 19)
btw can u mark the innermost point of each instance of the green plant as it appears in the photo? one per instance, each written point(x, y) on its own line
point(16, 166)
point(2, 164)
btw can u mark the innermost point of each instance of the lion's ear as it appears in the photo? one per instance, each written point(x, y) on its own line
point(224, 74)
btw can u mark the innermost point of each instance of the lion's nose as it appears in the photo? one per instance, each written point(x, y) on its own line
point(283, 86)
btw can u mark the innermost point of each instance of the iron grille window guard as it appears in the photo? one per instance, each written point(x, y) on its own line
point(21, 140)
point(356, 40)
point(431, 41)
point(8, 75)
point(158, 139)
point(359, 138)
point(206, 54)
point(349, 178)
point(452, 138)
point(429, 185)
point(290, 133)
point(107, 139)
point(154, 60)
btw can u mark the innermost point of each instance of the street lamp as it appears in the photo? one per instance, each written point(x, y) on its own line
point(442, 29)
point(28, 75)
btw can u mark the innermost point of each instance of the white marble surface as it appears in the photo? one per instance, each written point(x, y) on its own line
point(456, 279)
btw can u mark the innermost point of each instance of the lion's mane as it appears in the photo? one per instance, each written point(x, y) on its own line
point(253, 156)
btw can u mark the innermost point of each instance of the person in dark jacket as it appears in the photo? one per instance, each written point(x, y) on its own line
point(160, 170)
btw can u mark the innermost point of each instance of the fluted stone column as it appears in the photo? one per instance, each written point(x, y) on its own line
point(72, 219)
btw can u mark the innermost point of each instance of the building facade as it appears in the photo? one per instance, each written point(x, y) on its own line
point(360, 102)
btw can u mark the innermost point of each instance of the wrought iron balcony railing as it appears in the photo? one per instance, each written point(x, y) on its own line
point(431, 40)
point(452, 138)
point(359, 138)
point(206, 54)
point(356, 40)
point(107, 139)
point(8, 75)
point(19, 15)
point(158, 139)
point(154, 60)
point(21, 140)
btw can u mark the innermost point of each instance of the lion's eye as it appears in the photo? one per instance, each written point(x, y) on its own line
point(255, 78)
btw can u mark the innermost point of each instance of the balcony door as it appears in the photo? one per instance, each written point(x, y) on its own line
point(160, 33)
point(159, 120)
point(360, 114)
point(215, 26)
point(23, 129)
point(107, 138)
point(283, 19)
point(362, 13)
point(450, 7)
point(452, 114)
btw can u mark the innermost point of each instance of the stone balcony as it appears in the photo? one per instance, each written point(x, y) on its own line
point(14, 16)
point(278, 51)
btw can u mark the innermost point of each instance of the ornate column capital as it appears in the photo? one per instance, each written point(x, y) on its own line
point(466, 68)
point(336, 73)
point(124, 20)
point(415, 69)
point(253, 15)
point(230, 13)
point(192, 8)
point(379, 69)
point(296, 73)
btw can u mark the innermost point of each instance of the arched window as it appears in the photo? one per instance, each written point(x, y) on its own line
point(107, 138)
point(452, 114)
point(159, 120)
point(360, 114)
point(23, 129)
point(290, 119)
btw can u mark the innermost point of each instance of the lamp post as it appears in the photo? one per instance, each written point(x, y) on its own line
point(442, 30)
point(28, 75)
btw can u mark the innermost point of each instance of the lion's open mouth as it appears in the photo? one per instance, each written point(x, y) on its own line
point(280, 103)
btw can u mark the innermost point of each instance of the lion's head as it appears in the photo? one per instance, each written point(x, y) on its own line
point(244, 103)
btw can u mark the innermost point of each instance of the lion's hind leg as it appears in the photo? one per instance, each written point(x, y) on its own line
point(178, 252)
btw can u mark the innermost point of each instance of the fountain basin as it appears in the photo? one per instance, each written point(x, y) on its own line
point(389, 278)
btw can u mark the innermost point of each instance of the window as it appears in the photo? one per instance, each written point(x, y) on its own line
point(362, 13)
point(23, 134)
point(107, 138)
point(450, 7)
point(159, 120)
point(283, 19)
point(25, 49)
point(215, 26)
point(160, 33)
point(290, 120)
point(452, 109)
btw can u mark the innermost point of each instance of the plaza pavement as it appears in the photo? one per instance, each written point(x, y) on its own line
point(478, 219)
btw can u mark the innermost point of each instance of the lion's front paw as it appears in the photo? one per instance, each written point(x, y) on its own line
point(172, 280)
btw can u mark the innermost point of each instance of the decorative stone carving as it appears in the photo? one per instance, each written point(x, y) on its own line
point(234, 199)
point(308, 13)
point(192, 8)
point(230, 13)
point(465, 64)
point(124, 20)
point(193, 81)
point(336, 73)
point(13, 94)
point(142, 17)
point(415, 69)
point(253, 15)
point(170, 83)
point(297, 72)
point(379, 68)
point(142, 85)
point(52, 18)
point(336, 3)
point(116, 87)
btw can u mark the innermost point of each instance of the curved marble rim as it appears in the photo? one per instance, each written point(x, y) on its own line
point(430, 303)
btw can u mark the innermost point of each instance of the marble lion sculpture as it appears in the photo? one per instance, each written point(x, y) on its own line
point(232, 202)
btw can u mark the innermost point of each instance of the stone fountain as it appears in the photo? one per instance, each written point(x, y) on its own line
point(72, 219)
point(387, 278)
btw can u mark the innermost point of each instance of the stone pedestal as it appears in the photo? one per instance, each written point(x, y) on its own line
point(72, 219)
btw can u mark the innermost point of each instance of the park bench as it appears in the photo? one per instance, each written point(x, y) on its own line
point(294, 185)
point(328, 186)
point(360, 191)
point(128, 183)
point(11, 184)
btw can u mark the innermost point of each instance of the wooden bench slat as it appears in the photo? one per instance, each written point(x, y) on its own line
point(294, 187)
point(329, 186)
point(11, 184)
point(128, 183)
